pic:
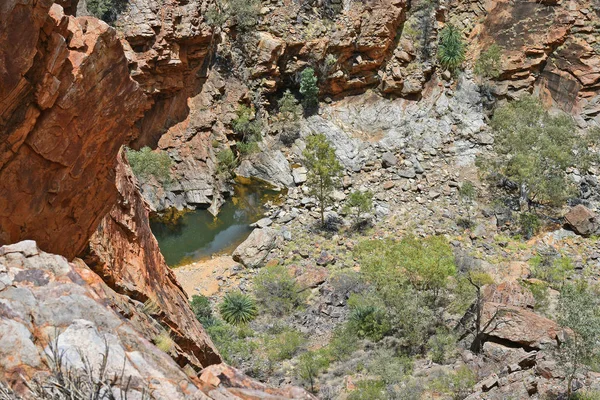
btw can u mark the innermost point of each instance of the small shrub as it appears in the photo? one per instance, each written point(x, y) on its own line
point(451, 48)
point(359, 203)
point(458, 383)
point(246, 124)
point(226, 162)
point(235, 350)
point(237, 308)
point(390, 367)
point(164, 342)
point(442, 347)
point(488, 66)
point(367, 320)
point(284, 345)
point(465, 223)
point(244, 14)
point(309, 90)
point(106, 10)
point(201, 307)
point(529, 225)
point(277, 291)
point(343, 343)
point(146, 163)
point(554, 270)
point(346, 282)
point(369, 389)
point(287, 120)
point(248, 147)
point(151, 307)
point(310, 365)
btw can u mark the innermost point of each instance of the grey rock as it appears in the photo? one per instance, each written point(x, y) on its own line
point(299, 175)
point(388, 160)
point(254, 250)
point(407, 173)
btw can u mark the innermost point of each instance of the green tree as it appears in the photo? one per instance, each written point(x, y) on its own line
point(287, 121)
point(106, 10)
point(238, 308)
point(578, 310)
point(309, 90)
point(451, 48)
point(534, 150)
point(310, 365)
point(489, 64)
point(147, 163)
point(244, 14)
point(359, 203)
point(323, 170)
point(226, 162)
point(276, 290)
point(467, 194)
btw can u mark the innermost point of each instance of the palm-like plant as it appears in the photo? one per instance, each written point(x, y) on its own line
point(451, 49)
point(238, 308)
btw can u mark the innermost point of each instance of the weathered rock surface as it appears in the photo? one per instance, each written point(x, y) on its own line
point(254, 250)
point(582, 220)
point(64, 84)
point(45, 298)
point(270, 166)
point(124, 252)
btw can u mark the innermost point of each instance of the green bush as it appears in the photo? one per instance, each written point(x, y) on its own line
point(146, 163)
point(246, 124)
point(226, 162)
point(529, 225)
point(309, 90)
point(235, 349)
point(277, 291)
point(287, 121)
point(534, 150)
point(201, 307)
point(488, 66)
point(554, 270)
point(106, 10)
point(369, 389)
point(359, 203)
point(391, 368)
point(284, 345)
point(451, 48)
point(237, 308)
point(458, 383)
point(343, 343)
point(244, 14)
point(367, 320)
point(310, 365)
point(442, 347)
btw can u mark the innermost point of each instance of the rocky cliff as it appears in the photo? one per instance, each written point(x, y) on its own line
point(63, 123)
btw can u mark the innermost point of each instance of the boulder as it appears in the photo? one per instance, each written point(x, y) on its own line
point(254, 250)
point(299, 175)
point(582, 220)
point(388, 160)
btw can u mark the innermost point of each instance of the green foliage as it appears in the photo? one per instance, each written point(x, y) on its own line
point(458, 383)
point(554, 270)
point(284, 345)
point(323, 170)
point(535, 149)
point(539, 290)
point(246, 124)
point(578, 310)
point(359, 203)
point(146, 163)
point(277, 291)
point(367, 320)
point(442, 346)
point(489, 64)
point(467, 192)
point(451, 48)
point(237, 308)
point(390, 367)
point(310, 365)
point(234, 348)
point(529, 224)
point(201, 307)
point(287, 120)
point(244, 14)
point(369, 389)
point(106, 10)
point(343, 343)
point(226, 162)
point(309, 90)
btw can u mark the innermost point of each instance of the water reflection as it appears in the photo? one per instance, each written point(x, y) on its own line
point(197, 234)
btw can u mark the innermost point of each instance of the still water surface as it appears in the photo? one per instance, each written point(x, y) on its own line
point(198, 234)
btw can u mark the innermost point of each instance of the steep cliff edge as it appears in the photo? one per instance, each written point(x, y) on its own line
point(124, 252)
point(68, 105)
point(65, 86)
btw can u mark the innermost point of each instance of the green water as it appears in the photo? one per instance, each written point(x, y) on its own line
point(198, 234)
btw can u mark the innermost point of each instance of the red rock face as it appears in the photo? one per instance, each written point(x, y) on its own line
point(124, 252)
point(547, 49)
point(67, 104)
